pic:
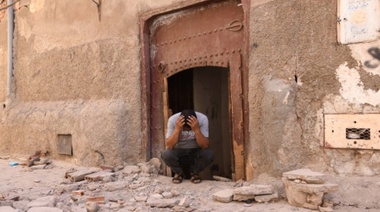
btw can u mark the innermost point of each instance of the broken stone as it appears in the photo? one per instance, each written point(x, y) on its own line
point(8, 209)
point(325, 209)
point(167, 194)
point(131, 169)
point(79, 175)
point(305, 175)
point(60, 189)
point(107, 168)
point(91, 206)
point(156, 196)
point(222, 179)
point(254, 190)
point(97, 176)
point(113, 186)
point(98, 199)
point(161, 203)
point(266, 198)
point(44, 209)
point(243, 198)
point(141, 198)
point(306, 195)
point(48, 201)
point(185, 202)
point(223, 195)
point(135, 185)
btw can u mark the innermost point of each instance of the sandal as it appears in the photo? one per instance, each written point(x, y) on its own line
point(196, 179)
point(177, 178)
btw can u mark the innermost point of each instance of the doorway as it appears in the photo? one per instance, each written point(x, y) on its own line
point(203, 42)
point(206, 90)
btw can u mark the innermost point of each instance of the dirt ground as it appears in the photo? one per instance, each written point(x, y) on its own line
point(355, 193)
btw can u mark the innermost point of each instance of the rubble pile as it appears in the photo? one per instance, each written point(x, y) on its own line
point(305, 188)
point(140, 187)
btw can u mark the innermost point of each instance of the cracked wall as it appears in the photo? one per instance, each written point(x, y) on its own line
point(294, 50)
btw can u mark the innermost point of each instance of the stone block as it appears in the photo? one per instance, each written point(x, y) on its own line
point(161, 203)
point(48, 201)
point(44, 209)
point(305, 175)
point(223, 195)
point(243, 198)
point(97, 176)
point(306, 195)
point(266, 198)
point(254, 190)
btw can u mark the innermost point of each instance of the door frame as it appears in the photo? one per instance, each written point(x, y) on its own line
point(146, 68)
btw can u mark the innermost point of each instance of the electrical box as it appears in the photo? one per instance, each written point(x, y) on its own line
point(356, 131)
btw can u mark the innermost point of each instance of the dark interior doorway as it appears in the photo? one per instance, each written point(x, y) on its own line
point(206, 90)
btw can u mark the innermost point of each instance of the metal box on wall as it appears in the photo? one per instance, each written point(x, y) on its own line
point(356, 131)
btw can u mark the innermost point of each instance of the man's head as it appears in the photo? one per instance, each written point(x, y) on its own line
point(186, 113)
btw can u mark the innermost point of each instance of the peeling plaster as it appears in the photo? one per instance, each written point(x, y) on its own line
point(368, 55)
point(35, 6)
point(352, 88)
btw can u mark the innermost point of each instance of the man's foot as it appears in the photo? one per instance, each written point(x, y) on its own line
point(177, 178)
point(195, 179)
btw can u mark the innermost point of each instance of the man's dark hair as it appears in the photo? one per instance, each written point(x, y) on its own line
point(186, 113)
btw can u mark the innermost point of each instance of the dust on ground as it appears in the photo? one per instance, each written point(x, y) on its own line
point(28, 184)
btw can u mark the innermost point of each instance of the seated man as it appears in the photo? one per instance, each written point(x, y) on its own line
point(187, 135)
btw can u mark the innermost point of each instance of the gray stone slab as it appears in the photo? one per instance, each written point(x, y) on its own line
point(254, 190)
point(7, 209)
point(48, 201)
point(223, 195)
point(44, 209)
point(162, 203)
point(306, 175)
point(267, 198)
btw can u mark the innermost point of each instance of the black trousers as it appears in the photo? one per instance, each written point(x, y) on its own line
point(199, 159)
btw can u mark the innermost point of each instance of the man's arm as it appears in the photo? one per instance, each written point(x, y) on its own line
point(172, 140)
point(201, 139)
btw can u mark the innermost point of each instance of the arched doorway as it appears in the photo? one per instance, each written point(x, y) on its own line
point(204, 42)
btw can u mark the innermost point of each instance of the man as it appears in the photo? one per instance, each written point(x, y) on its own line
point(187, 135)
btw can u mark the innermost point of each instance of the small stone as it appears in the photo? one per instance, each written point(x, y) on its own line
point(325, 209)
point(223, 195)
point(161, 203)
point(91, 206)
point(222, 179)
point(156, 196)
point(141, 198)
point(167, 194)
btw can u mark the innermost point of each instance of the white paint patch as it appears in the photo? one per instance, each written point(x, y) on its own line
point(35, 6)
point(352, 88)
point(366, 54)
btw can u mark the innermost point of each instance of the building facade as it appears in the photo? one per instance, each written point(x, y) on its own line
point(285, 84)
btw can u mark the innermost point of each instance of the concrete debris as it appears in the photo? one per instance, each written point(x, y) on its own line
point(136, 188)
point(305, 175)
point(222, 179)
point(223, 195)
point(309, 194)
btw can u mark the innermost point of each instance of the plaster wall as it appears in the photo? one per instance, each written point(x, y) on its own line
point(81, 75)
point(75, 72)
point(298, 73)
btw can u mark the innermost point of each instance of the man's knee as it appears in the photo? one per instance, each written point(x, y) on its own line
point(168, 154)
point(206, 154)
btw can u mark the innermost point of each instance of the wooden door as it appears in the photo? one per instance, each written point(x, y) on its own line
point(209, 35)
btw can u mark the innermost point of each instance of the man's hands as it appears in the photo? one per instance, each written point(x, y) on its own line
point(194, 125)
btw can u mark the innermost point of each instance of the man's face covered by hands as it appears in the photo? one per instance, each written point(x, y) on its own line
point(187, 114)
